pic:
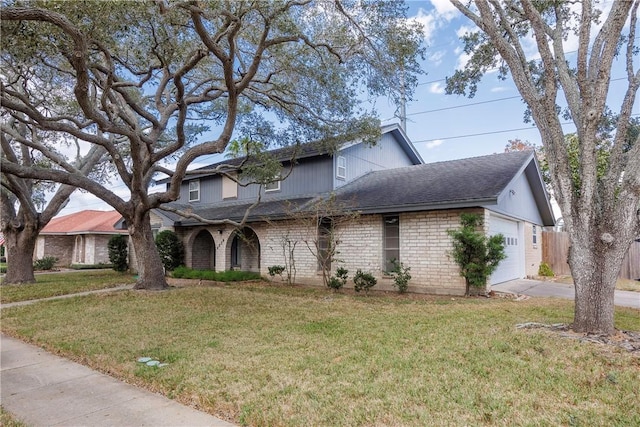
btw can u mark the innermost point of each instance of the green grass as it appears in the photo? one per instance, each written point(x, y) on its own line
point(8, 420)
point(54, 284)
point(219, 276)
point(264, 355)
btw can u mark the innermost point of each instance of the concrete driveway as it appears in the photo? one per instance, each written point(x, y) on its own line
point(537, 288)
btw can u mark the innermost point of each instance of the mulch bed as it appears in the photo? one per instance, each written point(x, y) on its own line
point(626, 340)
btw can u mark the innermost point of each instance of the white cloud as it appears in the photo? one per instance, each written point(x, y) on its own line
point(436, 57)
point(435, 143)
point(445, 9)
point(436, 88)
point(464, 29)
point(428, 22)
point(497, 89)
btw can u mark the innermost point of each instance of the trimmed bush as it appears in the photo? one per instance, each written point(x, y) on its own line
point(183, 272)
point(339, 280)
point(118, 254)
point(45, 263)
point(170, 249)
point(545, 270)
point(401, 276)
point(363, 281)
point(276, 270)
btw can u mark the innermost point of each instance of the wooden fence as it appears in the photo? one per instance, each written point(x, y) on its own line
point(555, 250)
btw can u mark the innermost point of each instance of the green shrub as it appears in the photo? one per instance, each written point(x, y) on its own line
point(364, 281)
point(170, 249)
point(183, 272)
point(90, 266)
point(276, 270)
point(339, 280)
point(118, 252)
point(401, 276)
point(45, 263)
point(545, 270)
point(476, 254)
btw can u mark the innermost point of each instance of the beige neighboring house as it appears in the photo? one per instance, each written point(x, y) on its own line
point(79, 238)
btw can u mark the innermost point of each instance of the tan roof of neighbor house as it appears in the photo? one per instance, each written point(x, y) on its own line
point(84, 222)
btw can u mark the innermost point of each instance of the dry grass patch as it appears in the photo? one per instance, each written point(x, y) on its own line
point(55, 284)
point(276, 356)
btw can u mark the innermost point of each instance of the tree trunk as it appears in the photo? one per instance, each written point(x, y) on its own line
point(150, 267)
point(595, 266)
point(20, 244)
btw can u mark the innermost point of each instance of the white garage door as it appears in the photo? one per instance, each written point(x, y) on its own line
point(509, 268)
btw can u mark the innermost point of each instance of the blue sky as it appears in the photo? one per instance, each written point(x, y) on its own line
point(444, 127)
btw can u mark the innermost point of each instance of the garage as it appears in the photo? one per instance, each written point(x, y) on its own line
point(509, 268)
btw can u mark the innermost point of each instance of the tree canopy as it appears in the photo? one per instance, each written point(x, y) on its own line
point(595, 174)
point(160, 84)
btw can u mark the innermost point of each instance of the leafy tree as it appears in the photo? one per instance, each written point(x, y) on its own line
point(476, 254)
point(118, 253)
point(170, 249)
point(29, 204)
point(599, 197)
point(158, 82)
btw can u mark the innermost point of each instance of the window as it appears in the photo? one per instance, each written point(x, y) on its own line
point(194, 190)
point(391, 241)
point(236, 254)
point(229, 187)
point(535, 235)
point(273, 185)
point(325, 231)
point(341, 169)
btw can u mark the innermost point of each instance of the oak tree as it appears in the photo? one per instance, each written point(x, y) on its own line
point(599, 196)
point(160, 84)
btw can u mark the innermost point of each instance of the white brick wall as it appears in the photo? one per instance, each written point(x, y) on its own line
point(424, 247)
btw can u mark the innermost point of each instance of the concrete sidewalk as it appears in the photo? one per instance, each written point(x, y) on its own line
point(538, 288)
point(41, 389)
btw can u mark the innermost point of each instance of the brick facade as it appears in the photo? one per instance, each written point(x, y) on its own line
point(74, 249)
point(424, 247)
point(532, 251)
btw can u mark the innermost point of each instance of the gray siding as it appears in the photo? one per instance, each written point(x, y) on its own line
point(210, 190)
point(309, 176)
point(362, 159)
point(518, 201)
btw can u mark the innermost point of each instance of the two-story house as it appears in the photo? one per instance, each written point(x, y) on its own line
point(405, 209)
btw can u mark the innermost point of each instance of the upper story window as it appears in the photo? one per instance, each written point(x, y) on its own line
point(229, 187)
point(194, 190)
point(341, 167)
point(391, 243)
point(273, 185)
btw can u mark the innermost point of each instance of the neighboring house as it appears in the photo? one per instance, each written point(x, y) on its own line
point(79, 238)
point(405, 206)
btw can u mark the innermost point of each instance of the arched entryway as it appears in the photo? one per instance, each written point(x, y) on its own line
point(203, 252)
point(244, 251)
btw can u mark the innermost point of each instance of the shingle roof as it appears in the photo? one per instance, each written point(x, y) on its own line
point(235, 210)
point(432, 184)
point(84, 222)
point(465, 182)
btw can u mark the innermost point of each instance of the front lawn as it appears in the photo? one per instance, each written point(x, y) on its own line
point(54, 284)
point(267, 355)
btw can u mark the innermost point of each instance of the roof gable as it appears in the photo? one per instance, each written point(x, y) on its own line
point(84, 222)
point(457, 181)
point(304, 151)
point(471, 182)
